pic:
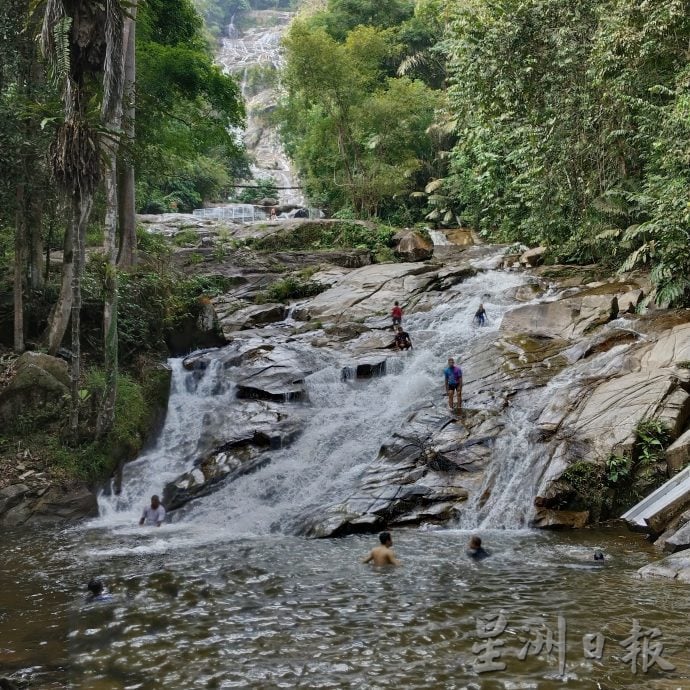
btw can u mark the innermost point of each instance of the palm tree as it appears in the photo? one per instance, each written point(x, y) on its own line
point(83, 42)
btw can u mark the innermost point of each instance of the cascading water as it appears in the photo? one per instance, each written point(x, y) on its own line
point(344, 428)
point(259, 48)
point(506, 497)
point(180, 442)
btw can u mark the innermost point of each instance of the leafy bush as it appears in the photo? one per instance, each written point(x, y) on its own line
point(340, 235)
point(291, 288)
point(186, 238)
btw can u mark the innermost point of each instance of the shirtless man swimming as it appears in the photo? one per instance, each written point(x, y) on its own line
point(384, 554)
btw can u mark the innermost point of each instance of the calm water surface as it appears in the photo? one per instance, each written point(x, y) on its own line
point(285, 612)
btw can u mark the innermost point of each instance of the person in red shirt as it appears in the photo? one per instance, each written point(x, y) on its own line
point(396, 313)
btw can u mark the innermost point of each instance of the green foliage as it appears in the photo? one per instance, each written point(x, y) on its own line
point(653, 437)
point(610, 488)
point(153, 302)
point(265, 188)
point(617, 468)
point(587, 482)
point(43, 430)
point(259, 77)
point(340, 235)
point(292, 287)
point(186, 238)
point(185, 151)
point(357, 133)
point(573, 130)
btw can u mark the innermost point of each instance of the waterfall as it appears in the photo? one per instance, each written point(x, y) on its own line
point(195, 397)
point(259, 47)
point(517, 471)
point(438, 237)
point(344, 423)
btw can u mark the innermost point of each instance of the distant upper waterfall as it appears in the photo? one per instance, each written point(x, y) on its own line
point(255, 50)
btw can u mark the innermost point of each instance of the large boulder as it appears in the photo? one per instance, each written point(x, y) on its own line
point(39, 380)
point(11, 496)
point(533, 257)
point(64, 504)
point(545, 518)
point(411, 246)
point(53, 504)
point(674, 567)
point(678, 453)
point(671, 347)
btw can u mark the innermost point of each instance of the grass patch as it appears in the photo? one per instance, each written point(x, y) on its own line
point(186, 238)
point(292, 287)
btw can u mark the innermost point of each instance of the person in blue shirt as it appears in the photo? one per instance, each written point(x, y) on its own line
point(453, 377)
point(480, 316)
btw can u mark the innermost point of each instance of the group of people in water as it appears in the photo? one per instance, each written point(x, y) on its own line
point(383, 554)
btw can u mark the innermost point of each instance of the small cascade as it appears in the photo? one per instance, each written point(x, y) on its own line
point(438, 237)
point(520, 458)
point(231, 30)
point(193, 394)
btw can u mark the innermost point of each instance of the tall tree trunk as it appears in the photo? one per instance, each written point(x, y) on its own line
point(81, 204)
point(106, 414)
point(19, 262)
point(126, 192)
point(35, 237)
point(113, 123)
point(59, 317)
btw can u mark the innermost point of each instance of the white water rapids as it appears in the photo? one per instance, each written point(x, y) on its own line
point(345, 426)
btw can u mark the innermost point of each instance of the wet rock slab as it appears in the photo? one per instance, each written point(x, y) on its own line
point(419, 477)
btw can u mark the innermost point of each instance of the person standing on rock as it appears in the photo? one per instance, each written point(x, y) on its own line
point(453, 377)
point(153, 514)
point(384, 554)
point(396, 314)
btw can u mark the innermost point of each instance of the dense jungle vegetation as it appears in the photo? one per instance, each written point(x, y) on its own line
point(538, 121)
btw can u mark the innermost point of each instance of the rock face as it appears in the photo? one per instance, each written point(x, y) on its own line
point(39, 380)
point(411, 246)
point(533, 257)
point(263, 428)
point(586, 383)
point(22, 505)
point(420, 477)
point(678, 453)
point(247, 317)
